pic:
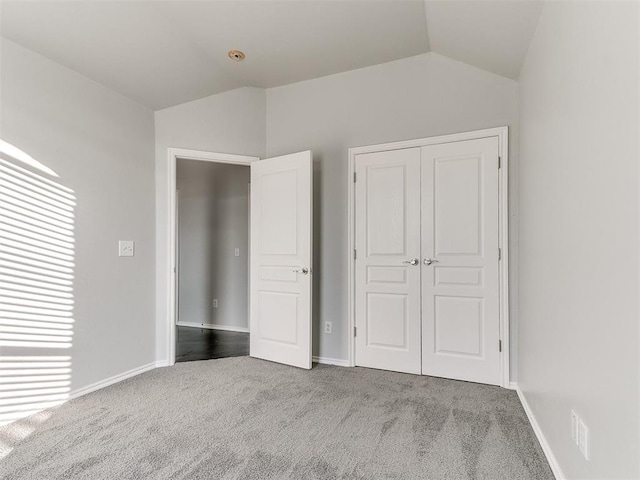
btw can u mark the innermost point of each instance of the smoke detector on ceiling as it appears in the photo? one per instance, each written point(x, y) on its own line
point(236, 55)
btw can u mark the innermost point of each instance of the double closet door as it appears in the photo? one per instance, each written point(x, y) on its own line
point(427, 260)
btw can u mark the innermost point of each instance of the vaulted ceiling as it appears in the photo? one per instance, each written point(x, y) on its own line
point(166, 52)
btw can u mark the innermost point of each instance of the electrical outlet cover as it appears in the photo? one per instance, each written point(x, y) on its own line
point(574, 427)
point(583, 439)
point(126, 248)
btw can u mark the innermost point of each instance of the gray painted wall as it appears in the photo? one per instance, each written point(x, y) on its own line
point(101, 146)
point(213, 212)
point(578, 275)
point(417, 97)
point(421, 96)
point(231, 122)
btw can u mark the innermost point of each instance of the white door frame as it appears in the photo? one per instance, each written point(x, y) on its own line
point(502, 133)
point(173, 154)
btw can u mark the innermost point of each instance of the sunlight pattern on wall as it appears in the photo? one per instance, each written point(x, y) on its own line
point(36, 287)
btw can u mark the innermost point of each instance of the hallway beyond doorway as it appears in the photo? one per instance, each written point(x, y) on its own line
point(206, 344)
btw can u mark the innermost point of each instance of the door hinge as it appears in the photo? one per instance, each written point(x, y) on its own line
point(354, 331)
point(354, 177)
point(355, 254)
point(499, 254)
point(499, 162)
point(499, 345)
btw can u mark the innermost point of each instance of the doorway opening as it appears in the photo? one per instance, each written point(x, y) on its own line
point(212, 267)
point(210, 255)
point(279, 253)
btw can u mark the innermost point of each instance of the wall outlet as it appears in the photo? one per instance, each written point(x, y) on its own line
point(237, 252)
point(580, 434)
point(574, 427)
point(583, 439)
point(215, 303)
point(328, 327)
point(126, 248)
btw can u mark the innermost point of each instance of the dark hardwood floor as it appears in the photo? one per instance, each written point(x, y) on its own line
point(204, 344)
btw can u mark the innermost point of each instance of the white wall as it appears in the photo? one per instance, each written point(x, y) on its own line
point(421, 96)
point(578, 339)
point(417, 97)
point(101, 146)
point(231, 122)
point(213, 221)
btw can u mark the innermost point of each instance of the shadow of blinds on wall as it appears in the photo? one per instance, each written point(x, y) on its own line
point(36, 286)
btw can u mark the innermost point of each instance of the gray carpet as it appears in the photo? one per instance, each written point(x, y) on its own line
point(242, 418)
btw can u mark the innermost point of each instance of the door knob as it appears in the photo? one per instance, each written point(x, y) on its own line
point(413, 261)
point(428, 261)
point(303, 270)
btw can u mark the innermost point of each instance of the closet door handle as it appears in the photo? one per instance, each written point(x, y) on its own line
point(413, 261)
point(428, 261)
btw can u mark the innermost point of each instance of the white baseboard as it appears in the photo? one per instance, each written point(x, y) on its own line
point(331, 361)
point(111, 380)
point(212, 326)
point(553, 462)
point(95, 386)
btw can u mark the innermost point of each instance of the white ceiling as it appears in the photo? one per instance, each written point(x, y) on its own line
point(490, 34)
point(166, 52)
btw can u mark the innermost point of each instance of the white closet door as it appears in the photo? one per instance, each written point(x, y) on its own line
point(387, 243)
point(460, 328)
point(281, 223)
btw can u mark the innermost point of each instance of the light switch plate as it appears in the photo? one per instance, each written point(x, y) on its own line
point(237, 252)
point(126, 248)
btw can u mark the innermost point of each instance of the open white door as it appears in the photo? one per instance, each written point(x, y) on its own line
point(281, 253)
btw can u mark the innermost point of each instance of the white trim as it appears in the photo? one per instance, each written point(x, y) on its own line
point(112, 380)
point(503, 224)
point(172, 155)
point(503, 244)
point(176, 304)
point(93, 387)
point(331, 361)
point(212, 326)
point(546, 448)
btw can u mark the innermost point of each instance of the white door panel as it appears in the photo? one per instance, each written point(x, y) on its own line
point(281, 252)
point(460, 314)
point(387, 237)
